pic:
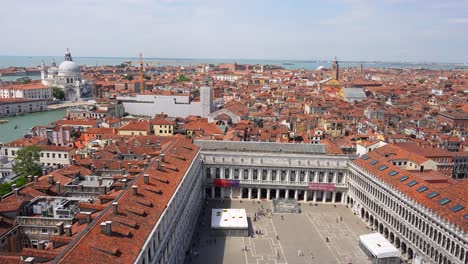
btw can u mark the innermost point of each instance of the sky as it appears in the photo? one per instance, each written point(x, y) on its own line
point(364, 30)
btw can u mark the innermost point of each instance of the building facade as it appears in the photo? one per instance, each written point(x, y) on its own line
point(15, 106)
point(257, 170)
point(172, 105)
point(424, 220)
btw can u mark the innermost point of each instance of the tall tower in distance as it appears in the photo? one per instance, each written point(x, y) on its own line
point(336, 69)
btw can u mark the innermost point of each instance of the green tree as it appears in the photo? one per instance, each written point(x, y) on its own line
point(128, 77)
point(182, 78)
point(58, 93)
point(26, 161)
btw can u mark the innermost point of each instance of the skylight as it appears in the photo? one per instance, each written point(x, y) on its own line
point(422, 189)
point(466, 216)
point(383, 167)
point(393, 173)
point(412, 183)
point(444, 201)
point(404, 178)
point(374, 162)
point(365, 157)
point(457, 208)
point(432, 195)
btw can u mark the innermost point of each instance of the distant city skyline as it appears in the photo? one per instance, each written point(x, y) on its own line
point(352, 30)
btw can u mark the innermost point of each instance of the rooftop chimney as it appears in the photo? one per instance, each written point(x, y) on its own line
point(41, 245)
point(158, 164)
point(51, 179)
point(30, 178)
point(163, 157)
point(68, 230)
point(146, 178)
point(124, 183)
point(106, 227)
point(115, 206)
point(135, 190)
point(129, 165)
point(58, 187)
point(36, 178)
point(59, 228)
point(159, 146)
point(88, 216)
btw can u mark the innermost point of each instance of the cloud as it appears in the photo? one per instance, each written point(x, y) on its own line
point(463, 20)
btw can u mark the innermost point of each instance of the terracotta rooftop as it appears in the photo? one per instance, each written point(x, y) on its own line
point(144, 209)
point(418, 187)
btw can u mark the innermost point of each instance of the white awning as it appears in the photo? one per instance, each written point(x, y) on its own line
point(379, 246)
point(229, 219)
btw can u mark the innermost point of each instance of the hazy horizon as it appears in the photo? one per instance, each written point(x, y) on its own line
point(353, 30)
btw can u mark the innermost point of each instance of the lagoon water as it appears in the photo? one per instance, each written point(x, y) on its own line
point(24, 123)
point(34, 61)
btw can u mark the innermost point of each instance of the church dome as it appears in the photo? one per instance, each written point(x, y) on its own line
point(69, 68)
point(52, 70)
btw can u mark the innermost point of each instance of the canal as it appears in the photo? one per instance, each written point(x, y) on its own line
point(17, 126)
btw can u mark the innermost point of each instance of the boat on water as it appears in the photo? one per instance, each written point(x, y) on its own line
point(16, 127)
point(288, 63)
point(3, 121)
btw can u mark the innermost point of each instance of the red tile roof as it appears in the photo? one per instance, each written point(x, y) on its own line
point(125, 243)
point(456, 191)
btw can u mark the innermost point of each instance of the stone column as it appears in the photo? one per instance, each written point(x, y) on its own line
point(335, 175)
point(286, 194)
point(288, 174)
point(316, 176)
point(232, 190)
point(305, 195)
point(324, 197)
point(343, 198)
point(231, 173)
point(333, 197)
point(296, 194)
point(221, 173)
point(212, 192)
point(269, 175)
point(268, 194)
point(314, 196)
point(259, 192)
point(277, 193)
point(241, 192)
point(250, 194)
point(222, 193)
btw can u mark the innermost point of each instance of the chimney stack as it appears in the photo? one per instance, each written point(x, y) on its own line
point(30, 178)
point(51, 179)
point(115, 207)
point(68, 230)
point(159, 146)
point(124, 183)
point(163, 157)
point(58, 187)
point(36, 178)
point(59, 228)
point(41, 245)
point(88, 216)
point(129, 166)
point(146, 178)
point(135, 190)
point(158, 164)
point(106, 227)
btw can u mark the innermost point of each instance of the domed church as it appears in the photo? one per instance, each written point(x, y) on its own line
point(67, 77)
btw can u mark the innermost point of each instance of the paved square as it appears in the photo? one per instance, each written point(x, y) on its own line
point(285, 238)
